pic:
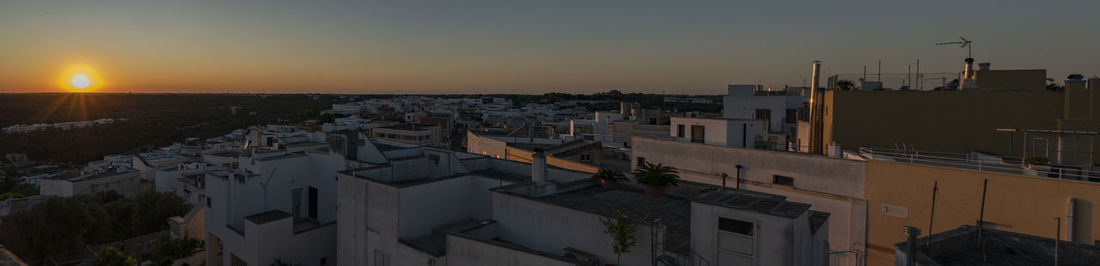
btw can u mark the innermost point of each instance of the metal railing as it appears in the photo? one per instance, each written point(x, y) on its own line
point(981, 162)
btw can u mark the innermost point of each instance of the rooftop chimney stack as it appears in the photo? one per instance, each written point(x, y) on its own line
point(816, 106)
point(538, 166)
point(983, 66)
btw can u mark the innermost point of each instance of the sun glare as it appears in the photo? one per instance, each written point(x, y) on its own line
point(80, 78)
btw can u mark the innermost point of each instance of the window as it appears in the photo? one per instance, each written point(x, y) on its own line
point(735, 226)
point(208, 204)
point(680, 131)
point(792, 115)
point(641, 161)
point(586, 157)
point(782, 180)
point(324, 261)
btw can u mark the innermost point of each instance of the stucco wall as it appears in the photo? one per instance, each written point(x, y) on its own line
point(828, 184)
point(467, 252)
point(950, 121)
point(1023, 204)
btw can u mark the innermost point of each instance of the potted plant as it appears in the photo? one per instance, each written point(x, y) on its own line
point(656, 177)
point(622, 232)
point(609, 178)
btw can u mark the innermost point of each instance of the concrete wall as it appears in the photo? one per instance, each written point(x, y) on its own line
point(1028, 79)
point(426, 206)
point(624, 131)
point(829, 184)
point(550, 228)
point(485, 145)
point(949, 121)
point(463, 251)
point(55, 187)
point(276, 241)
point(1022, 204)
point(723, 132)
point(775, 236)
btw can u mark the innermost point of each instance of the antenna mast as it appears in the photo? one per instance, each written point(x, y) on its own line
point(962, 44)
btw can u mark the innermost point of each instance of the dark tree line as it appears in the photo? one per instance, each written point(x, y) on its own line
point(61, 225)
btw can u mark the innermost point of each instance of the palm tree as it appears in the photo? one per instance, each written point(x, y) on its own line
point(609, 177)
point(656, 177)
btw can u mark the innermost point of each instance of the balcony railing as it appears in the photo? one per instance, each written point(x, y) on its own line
point(981, 162)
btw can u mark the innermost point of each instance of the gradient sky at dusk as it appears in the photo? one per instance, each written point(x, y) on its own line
point(513, 46)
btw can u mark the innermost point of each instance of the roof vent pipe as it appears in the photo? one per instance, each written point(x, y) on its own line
point(538, 166)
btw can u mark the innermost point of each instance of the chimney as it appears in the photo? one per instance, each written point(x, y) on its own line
point(983, 66)
point(538, 166)
point(816, 103)
point(968, 72)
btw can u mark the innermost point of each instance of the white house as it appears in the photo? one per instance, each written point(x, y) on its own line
point(453, 208)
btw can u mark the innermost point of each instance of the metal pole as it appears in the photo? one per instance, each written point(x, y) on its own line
point(879, 74)
point(1057, 239)
point(981, 212)
point(920, 81)
point(724, 175)
point(931, 217)
point(738, 176)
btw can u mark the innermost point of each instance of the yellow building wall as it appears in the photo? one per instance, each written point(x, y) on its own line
point(520, 155)
point(950, 121)
point(1023, 204)
point(1031, 79)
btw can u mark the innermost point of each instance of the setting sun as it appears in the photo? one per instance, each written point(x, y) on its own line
point(80, 78)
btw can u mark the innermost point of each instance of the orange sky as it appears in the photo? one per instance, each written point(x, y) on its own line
point(493, 46)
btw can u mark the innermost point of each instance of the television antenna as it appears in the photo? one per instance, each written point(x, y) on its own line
point(962, 44)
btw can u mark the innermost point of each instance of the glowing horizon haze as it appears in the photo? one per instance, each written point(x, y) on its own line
point(526, 47)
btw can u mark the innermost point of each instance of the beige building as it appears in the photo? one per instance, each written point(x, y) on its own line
point(963, 120)
point(900, 194)
point(872, 196)
point(415, 134)
point(577, 155)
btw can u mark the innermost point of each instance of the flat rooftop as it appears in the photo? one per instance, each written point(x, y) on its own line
point(959, 247)
point(673, 209)
point(416, 127)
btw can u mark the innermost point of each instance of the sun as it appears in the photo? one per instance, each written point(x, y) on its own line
point(80, 78)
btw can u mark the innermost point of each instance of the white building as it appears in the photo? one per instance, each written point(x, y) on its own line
point(451, 208)
point(747, 133)
point(277, 207)
point(779, 108)
point(832, 185)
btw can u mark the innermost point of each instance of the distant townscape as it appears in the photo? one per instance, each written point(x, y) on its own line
point(62, 126)
point(993, 168)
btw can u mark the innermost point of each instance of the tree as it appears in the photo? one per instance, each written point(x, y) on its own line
point(166, 250)
point(152, 209)
point(622, 231)
point(110, 256)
